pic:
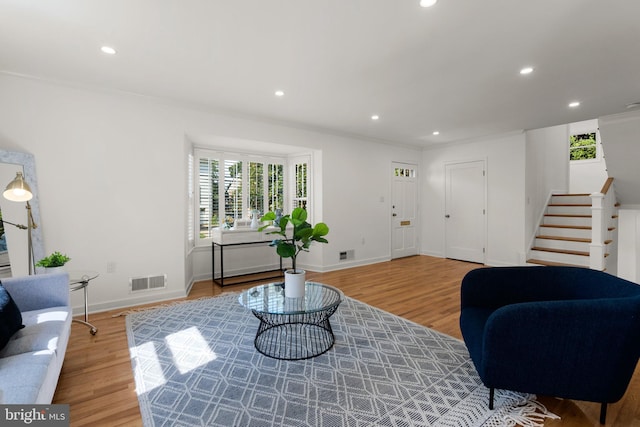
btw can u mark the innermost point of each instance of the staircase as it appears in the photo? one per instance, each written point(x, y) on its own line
point(565, 233)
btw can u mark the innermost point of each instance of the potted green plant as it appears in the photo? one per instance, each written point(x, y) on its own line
point(302, 236)
point(53, 262)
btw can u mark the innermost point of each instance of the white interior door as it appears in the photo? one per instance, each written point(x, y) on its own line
point(465, 211)
point(404, 210)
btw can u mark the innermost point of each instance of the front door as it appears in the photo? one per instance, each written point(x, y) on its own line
point(404, 210)
point(465, 211)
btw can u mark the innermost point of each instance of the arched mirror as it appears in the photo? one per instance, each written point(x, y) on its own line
point(14, 240)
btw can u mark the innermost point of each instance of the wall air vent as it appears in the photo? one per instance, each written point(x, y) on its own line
point(347, 255)
point(138, 284)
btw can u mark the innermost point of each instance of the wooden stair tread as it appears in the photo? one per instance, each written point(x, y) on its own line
point(563, 251)
point(566, 239)
point(578, 227)
point(581, 205)
point(561, 264)
point(569, 239)
point(569, 215)
point(551, 263)
point(572, 194)
point(560, 251)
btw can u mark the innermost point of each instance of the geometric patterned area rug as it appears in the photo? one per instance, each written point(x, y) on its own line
point(195, 365)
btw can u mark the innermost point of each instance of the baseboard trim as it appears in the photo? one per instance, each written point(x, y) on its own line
point(149, 298)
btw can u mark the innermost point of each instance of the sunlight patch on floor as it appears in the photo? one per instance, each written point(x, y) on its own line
point(146, 353)
point(189, 349)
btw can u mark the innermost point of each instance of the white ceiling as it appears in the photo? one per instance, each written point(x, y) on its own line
point(453, 67)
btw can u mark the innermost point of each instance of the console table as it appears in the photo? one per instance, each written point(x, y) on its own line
point(226, 238)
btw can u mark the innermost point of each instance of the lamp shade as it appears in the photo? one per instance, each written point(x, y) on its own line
point(18, 190)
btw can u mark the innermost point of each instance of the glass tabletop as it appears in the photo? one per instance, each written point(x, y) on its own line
point(270, 298)
point(80, 276)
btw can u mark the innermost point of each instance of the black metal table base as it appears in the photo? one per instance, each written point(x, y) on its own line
point(294, 336)
point(248, 276)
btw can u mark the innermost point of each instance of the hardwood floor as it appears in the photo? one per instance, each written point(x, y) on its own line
point(97, 379)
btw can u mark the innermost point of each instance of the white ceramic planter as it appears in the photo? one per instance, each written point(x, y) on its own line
point(294, 283)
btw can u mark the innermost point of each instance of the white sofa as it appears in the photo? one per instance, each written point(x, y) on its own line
point(30, 363)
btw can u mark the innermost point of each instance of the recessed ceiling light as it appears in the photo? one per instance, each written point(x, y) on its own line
point(375, 117)
point(435, 132)
point(574, 104)
point(279, 93)
point(108, 50)
point(428, 3)
point(526, 70)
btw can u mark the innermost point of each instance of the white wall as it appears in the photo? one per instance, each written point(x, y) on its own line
point(505, 156)
point(628, 253)
point(110, 175)
point(620, 138)
point(112, 172)
point(587, 176)
point(547, 171)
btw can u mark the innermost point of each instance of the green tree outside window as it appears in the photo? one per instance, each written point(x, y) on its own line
point(583, 146)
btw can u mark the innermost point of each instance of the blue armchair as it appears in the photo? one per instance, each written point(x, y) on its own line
point(557, 331)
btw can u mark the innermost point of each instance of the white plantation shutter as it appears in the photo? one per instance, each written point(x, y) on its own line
point(233, 189)
point(275, 186)
point(208, 216)
point(301, 183)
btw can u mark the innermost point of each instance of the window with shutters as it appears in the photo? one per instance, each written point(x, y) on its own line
point(231, 186)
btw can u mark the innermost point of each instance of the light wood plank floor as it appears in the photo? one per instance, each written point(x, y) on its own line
point(98, 384)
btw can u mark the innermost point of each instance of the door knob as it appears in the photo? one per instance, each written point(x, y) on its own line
point(447, 216)
point(394, 214)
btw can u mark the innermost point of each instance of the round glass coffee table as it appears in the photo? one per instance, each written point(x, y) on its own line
point(293, 328)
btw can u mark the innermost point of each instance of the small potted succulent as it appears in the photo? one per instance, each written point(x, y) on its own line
point(302, 235)
point(53, 262)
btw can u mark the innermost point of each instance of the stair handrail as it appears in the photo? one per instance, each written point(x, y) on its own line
point(607, 185)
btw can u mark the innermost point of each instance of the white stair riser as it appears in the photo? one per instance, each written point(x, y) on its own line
point(580, 200)
point(565, 232)
point(567, 220)
point(562, 258)
point(570, 210)
point(562, 244)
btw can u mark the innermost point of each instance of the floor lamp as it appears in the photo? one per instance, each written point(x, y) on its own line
point(19, 191)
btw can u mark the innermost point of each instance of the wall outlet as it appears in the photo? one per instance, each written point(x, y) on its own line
point(111, 267)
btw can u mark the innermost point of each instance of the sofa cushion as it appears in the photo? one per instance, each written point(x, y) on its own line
point(10, 317)
point(23, 376)
point(42, 331)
